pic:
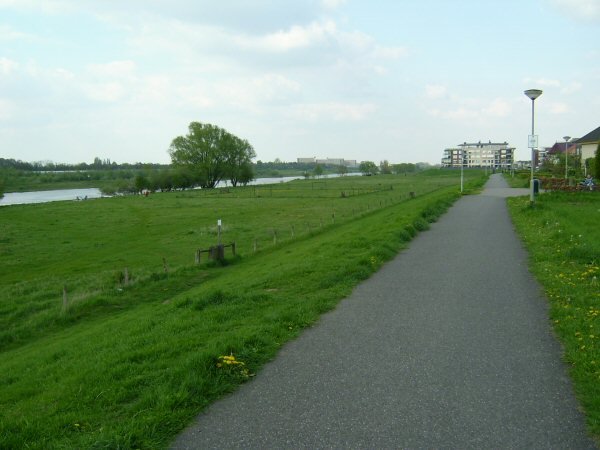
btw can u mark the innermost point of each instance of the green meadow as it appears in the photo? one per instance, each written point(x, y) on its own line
point(563, 239)
point(94, 358)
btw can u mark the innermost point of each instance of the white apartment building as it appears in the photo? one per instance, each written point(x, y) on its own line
point(495, 155)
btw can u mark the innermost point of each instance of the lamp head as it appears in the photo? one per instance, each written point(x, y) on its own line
point(533, 93)
point(567, 138)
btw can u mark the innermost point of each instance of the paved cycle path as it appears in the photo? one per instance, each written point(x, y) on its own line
point(449, 345)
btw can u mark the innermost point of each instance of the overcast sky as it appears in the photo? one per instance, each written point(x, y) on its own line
point(369, 80)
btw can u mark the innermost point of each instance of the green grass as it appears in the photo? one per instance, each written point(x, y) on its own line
point(563, 238)
point(130, 366)
point(520, 179)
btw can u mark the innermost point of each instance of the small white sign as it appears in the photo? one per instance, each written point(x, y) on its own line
point(533, 141)
point(219, 222)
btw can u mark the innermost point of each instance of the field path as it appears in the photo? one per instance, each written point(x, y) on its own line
point(449, 345)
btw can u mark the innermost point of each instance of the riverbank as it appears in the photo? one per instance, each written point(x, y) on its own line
point(95, 354)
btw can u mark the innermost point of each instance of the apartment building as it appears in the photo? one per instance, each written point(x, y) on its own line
point(495, 155)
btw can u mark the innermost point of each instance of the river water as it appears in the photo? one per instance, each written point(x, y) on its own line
point(21, 198)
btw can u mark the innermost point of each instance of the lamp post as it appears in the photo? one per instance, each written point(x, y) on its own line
point(462, 165)
point(566, 138)
point(532, 94)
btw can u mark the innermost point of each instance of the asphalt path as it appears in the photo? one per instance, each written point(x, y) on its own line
point(449, 345)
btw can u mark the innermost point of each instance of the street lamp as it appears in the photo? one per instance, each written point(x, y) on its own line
point(532, 94)
point(566, 138)
point(462, 166)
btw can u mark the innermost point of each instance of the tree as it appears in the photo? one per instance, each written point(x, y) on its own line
point(404, 168)
point(201, 150)
point(385, 167)
point(238, 159)
point(212, 153)
point(342, 170)
point(368, 168)
point(597, 163)
point(140, 182)
point(318, 170)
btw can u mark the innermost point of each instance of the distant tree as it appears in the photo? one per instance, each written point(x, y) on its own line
point(318, 170)
point(368, 168)
point(597, 164)
point(246, 174)
point(140, 182)
point(404, 168)
point(342, 170)
point(385, 167)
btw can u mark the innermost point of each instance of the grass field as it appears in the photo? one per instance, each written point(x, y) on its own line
point(128, 366)
point(563, 238)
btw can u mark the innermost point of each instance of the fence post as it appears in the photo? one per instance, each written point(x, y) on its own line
point(254, 245)
point(274, 237)
point(165, 265)
point(126, 279)
point(65, 303)
point(233, 248)
point(292, 231)
point(197, 256)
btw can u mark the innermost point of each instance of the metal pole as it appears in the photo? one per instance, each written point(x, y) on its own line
point(462, 165)
point(532, 197)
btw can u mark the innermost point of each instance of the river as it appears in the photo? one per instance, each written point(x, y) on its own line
point(21, 198)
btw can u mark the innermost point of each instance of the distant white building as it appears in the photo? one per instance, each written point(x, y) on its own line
point(495, 155)
point(329, 161)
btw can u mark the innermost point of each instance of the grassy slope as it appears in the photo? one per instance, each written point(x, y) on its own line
point(562, 235)
point(129, 367)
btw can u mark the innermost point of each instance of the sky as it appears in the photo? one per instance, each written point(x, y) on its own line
point(397, 80)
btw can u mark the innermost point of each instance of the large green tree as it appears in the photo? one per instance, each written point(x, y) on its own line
point(368, 168)
point(213, 154)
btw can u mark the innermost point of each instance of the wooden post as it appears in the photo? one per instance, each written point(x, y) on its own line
point(254, 245)
point(274, 237)
point(321, 222)
point(65, 303)
point(292, 231)
point(165, 265)
point(233, 248)
point(197, 258)
point(333, 217)
point(126, 277)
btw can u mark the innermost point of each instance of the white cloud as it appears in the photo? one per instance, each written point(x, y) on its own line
point(558, 108)
point(113, 69)
point(7, 66)
point(105, 92)
point(498, 108)
point(332, 110)
point(434, 91)
point(542, 82)
point(332, 4)
point(6, 109)
point(8, 33)
point(294, 38)
point(585, 10)
point(573, 87)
